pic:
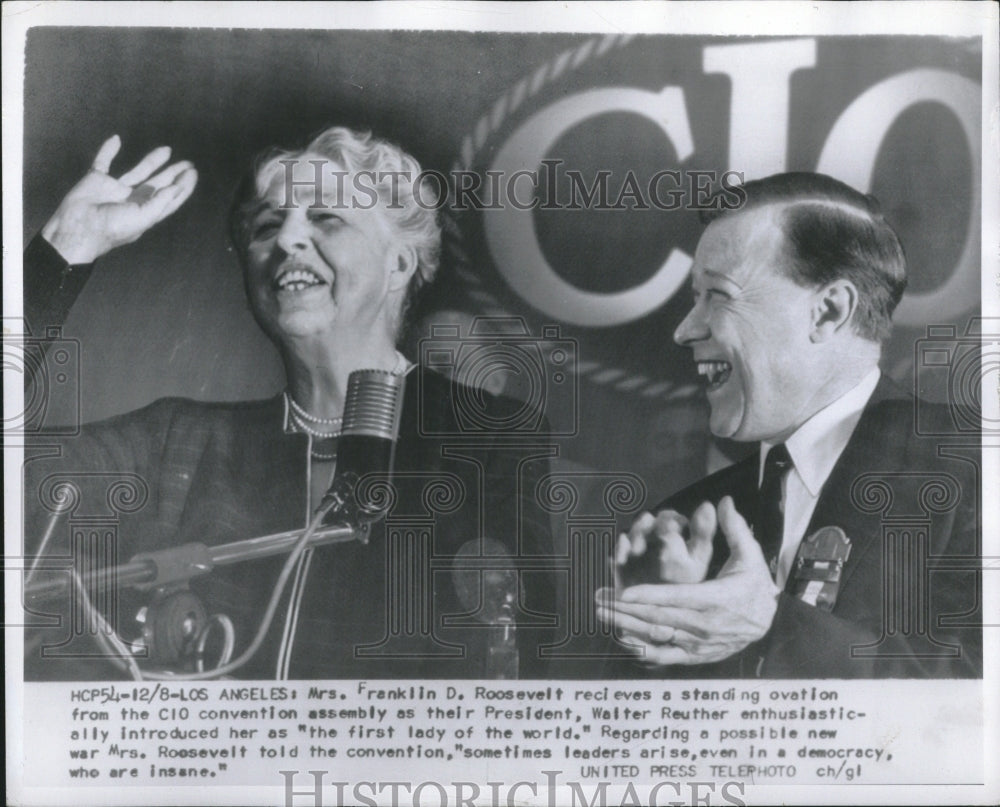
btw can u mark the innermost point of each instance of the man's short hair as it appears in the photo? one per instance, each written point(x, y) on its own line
point(395, 176)
point(834, 232)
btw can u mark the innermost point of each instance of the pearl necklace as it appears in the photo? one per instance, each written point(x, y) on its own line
point(318, 455)
point(303, 416)
point(303, 421)
point(301, 425)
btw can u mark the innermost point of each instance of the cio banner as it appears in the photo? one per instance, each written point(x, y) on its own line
point(577, 164)
point(593, 165)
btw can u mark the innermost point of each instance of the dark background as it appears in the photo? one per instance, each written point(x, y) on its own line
point(167, 315)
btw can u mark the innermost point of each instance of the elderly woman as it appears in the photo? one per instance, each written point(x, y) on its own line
point(334, 240)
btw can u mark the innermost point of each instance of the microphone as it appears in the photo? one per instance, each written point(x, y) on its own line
point(486, 584)
point(371, 426)
point(367, 445)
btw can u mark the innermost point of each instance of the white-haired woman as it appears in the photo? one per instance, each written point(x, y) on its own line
point(334, 239)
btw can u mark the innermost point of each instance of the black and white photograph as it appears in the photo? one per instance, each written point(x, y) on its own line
point(496, 403)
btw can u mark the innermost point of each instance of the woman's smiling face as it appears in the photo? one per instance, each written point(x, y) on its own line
point(321, 256)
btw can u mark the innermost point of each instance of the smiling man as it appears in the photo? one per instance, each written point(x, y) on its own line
point(793, 297)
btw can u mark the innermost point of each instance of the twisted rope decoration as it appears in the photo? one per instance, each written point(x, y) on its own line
point(471, 147)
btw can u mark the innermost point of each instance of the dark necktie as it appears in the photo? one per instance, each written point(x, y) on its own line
point(769, 526)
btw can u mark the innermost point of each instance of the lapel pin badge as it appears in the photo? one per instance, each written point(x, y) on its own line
point(819, 566)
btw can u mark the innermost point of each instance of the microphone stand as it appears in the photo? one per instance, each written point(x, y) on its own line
point(179, 564)
point(175, 625)
point(503, 659)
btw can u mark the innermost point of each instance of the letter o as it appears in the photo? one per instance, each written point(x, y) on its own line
point(851, 150)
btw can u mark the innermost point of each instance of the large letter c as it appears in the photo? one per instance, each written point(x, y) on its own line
point(511, 235)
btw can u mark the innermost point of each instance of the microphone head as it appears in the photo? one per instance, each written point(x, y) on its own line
point(373, 408)
point(489, 592)
point(373, 405)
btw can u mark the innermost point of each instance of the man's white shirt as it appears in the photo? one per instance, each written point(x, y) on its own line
point(814, 448)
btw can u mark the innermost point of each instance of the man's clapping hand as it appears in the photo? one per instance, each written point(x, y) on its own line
point(658, 544)
point(698, 623)
point(101, 212)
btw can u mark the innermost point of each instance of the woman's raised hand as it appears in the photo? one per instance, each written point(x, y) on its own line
point(101, 212)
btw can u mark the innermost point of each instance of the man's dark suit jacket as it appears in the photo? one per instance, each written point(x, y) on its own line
point(908, 502)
